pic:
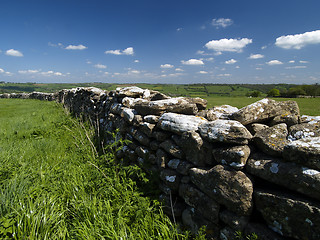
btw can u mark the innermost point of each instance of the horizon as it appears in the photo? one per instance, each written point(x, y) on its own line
point(167, 42)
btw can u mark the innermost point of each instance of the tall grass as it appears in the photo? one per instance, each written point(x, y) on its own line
point(54, 186)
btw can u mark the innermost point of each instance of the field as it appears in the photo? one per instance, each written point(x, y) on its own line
point(54, 185)
point(216, 94)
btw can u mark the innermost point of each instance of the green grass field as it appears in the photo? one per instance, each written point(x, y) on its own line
point(53, 185)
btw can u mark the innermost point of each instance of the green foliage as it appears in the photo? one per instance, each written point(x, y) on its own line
point(54, 185)
point(254, 94)
point(240, 236)
point(273, 92)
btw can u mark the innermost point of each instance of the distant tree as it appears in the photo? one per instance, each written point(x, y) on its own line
point(253, 94)
point(295, 91)
point(274, 93)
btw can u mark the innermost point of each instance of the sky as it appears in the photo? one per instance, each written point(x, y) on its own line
point(160, 41)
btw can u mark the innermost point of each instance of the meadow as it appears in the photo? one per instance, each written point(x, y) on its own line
point(54, 184)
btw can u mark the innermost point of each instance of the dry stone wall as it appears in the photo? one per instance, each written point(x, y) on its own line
point(254, 169)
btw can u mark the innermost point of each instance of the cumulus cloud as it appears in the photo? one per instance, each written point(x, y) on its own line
point(101, 66)
point(30, 71)
point(192, 62)
point(14, 53)
point(48, 73)
point(303, 62)
point(292, 61)
point(296, 67)
point(166, 65)
point(134, 71)
point(203, 72)
point(274, 62)
point(127, 51)
point(231, 61)
point(298, 41)
point(1, 70)
point(221, 22)
point(224, 75)
point(76, 47)
point(228, 45)
point(136, 61)
point(179, 70)
point(256, 56)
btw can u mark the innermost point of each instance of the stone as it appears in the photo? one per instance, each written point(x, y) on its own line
point(234, 221)
point(196, 150)
point(173, 105)
point(228, 187)
point(170, 147)
point(305, 151)
point(179, 123)
point(206, 206)
point(153, 119)
point(183, 167)
point(310, 119)
point(286, 174)
point(130, 102)
point(173, 163)
point(139, 136)
point(226, 131)
point(128, 114)
point(288, 215)
point(256, 127)
point(162, 158)
point(155, 95)
point(160, 136)
point(132, 91)
point(235, 157)
point(147, 128)
point(193, 220)
point(171, 179)
point(171, 205)
point(227, 233)
point(219, 112)
point(154, 145)
point(263, 232)
point(272, 140)
point(266, 109)
point(304, 130)
point(142, 152)
point(116, 108)
point(200, 103)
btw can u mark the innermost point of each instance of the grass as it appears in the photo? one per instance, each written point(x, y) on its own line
point(53, 185)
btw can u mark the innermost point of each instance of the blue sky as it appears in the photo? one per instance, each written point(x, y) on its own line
point(153, 41)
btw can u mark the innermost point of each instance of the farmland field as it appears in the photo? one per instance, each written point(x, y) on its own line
point(53, 184)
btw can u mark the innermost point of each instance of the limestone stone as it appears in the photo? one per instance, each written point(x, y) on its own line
point(288, 215)
point(132, 91)
point(303, 130)
point(256, 127)
point(200, 103)
point(162, 158)
point(287, 174)
point(147, 128)
point(170, 147)
point(142, 152)
point(266, 109)
point(226, 131)
point(128, 114)
point(153, 119)
point(196, 150)
point(139, 136)
point(171, 178)
point(174, 105)
point(305, 151)
point(227, 233)
point(183, 167)
point(218, 112)
point(160, 136)
point(272, 140)
point(262, 231)
point(206, 206)
point(310, 119)
point(193, 220)
point(233, 220)
point(179, 123)
point(228, 187)
point(129, 102)
point(235, 157)
point(154, 145)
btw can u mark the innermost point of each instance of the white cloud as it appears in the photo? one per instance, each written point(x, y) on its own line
point(179, 29)
point(258, 68)
point(76, 47)
point(136, 61)
point(263, 47)
point(231, 61)
point(221, 22)
point(192, 62)
point(298, 41)
point(224, 75)
point(127, 51)
point(274, 62)
point(179, 70)
point(203, 72)
point(101, 66)
point(134, 72)
point(28, 71)
point(256, 56)
point(296, 67)
point(303, 62)
point(166, 65)
point(1, 70)
point(292, 61)
point(14, 53)
point(228, 45)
